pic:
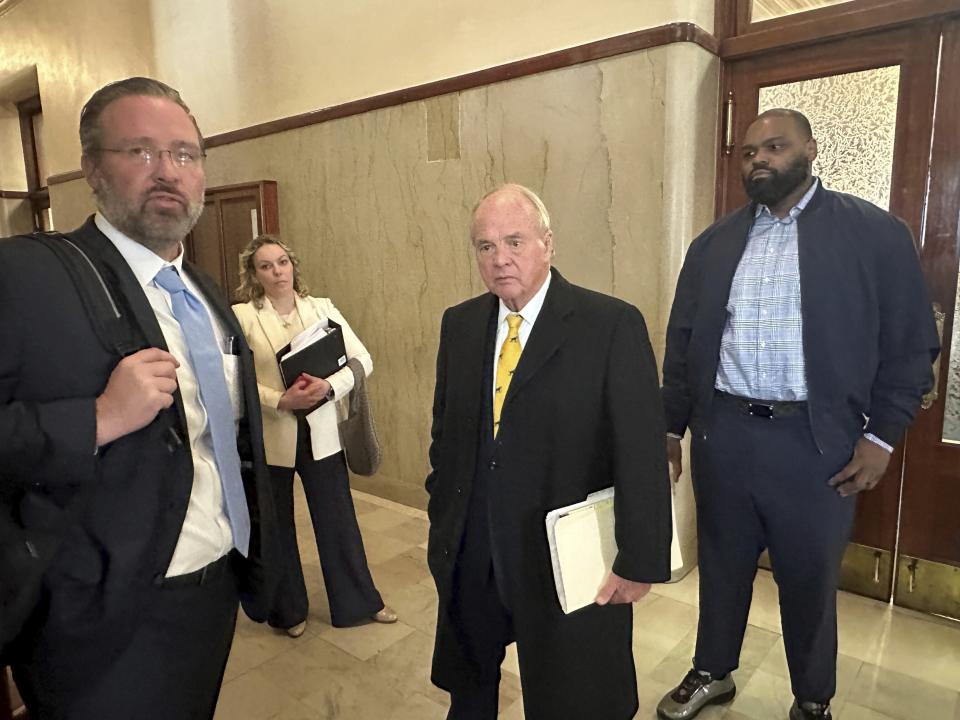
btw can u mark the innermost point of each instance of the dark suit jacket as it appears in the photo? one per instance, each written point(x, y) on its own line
point(52, 367)
point(868, 330)
point(582, 413)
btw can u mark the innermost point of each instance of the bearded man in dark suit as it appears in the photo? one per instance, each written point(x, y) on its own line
point(162, 448)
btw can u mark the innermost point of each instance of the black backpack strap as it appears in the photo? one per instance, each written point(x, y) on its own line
point(104, 311)
point(26, 554)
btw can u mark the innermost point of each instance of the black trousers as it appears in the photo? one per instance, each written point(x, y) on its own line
point(172, 669)
point(481, 625)
point(482, 621)
point(762, 483)
point(350, 589)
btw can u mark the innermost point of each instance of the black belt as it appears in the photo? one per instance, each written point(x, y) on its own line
point(769, 409)
point(203, 576)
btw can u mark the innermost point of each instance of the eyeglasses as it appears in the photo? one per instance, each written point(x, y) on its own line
point(144, 155)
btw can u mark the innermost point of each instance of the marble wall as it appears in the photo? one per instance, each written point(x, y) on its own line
point(377, 205)
point(15, 217)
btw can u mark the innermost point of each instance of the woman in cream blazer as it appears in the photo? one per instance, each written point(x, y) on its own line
point(277, 308)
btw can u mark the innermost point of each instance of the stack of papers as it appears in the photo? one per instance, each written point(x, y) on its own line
point(583, 547)
point(311, 334)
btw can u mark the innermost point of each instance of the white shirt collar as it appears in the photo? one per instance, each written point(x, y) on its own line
point(144, 262)
point(531, 310)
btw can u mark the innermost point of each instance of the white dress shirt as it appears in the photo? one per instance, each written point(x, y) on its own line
point(528, 312)
point(205, 535)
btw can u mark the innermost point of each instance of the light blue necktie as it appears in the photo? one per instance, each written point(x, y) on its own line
point(208, 367)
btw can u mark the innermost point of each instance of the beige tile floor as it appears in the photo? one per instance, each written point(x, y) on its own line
point(893, 664)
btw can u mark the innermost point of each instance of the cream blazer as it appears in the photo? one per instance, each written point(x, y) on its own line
point(266, 336)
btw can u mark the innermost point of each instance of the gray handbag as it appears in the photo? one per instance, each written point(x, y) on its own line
point(358, 433)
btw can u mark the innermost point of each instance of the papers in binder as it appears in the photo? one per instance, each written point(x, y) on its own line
point(583, 547)
point(317, 351)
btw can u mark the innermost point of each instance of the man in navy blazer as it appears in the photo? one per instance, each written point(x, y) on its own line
point(799, 346)
point(578, 412)
point(139, 604)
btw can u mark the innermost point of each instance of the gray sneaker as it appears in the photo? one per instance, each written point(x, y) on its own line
point(697, 690)
point(810, 711)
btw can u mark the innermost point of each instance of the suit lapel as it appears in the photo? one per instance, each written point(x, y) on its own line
point(272, 328)
point(548, 334)
point(471, 342)
point(136, 305)
point(124, 282)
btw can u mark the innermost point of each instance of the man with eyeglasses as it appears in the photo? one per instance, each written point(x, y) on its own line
point(147, 470)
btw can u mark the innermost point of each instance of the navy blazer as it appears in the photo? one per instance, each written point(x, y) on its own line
point(869, 336)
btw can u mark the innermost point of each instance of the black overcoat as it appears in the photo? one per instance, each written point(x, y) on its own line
point(582, 413)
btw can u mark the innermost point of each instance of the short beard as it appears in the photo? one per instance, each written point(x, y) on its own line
point(777, 185)
point(158, 232)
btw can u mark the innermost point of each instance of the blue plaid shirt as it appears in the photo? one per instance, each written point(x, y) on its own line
point(761, 354)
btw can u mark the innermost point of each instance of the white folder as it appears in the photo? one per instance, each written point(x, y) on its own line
point(583, 547)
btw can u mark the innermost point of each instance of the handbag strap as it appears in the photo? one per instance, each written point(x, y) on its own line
point(359, 383)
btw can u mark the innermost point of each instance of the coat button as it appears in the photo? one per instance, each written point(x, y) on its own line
point(493, 465)
point(158, 579)
point(459, 491)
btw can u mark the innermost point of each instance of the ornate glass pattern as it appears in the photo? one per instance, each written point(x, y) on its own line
point(769, 9)
point(854, 119)
point(951, 412)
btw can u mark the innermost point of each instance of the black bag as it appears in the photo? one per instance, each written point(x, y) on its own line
point(26, 554)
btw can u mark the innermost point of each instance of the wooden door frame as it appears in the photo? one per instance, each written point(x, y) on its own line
point(909, 47)
point(928, 580)
point(740, 38)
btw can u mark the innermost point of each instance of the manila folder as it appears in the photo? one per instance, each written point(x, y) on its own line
point(582, 548)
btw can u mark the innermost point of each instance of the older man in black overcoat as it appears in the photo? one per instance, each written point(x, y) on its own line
point(570, 408)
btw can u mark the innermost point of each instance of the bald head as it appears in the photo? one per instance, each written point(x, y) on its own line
point(524, 196)
point(798, 119)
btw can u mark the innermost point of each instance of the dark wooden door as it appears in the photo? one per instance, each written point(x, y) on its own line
point(871, 101)
point(232, 216)
point(928, 576)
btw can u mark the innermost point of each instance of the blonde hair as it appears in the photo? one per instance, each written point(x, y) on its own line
point(250, 289)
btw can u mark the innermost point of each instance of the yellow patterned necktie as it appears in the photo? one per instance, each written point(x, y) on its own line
point(506, 363)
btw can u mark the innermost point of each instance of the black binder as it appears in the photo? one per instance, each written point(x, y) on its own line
point(322, 358)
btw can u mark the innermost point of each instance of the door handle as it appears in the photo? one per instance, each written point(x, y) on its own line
point(940, 318)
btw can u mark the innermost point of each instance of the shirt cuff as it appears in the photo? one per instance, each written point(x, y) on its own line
point(877, 441)
point(674, 436)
